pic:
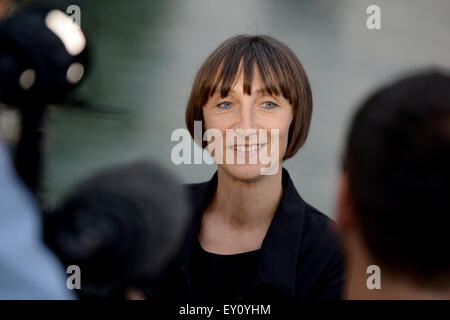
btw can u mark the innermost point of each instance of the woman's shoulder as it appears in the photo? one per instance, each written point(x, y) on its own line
point(201, 192)
point(319, 229)
point(321, 247)
point(194, 186)
point(312, 219)
point(316, 218)
point(197, 192)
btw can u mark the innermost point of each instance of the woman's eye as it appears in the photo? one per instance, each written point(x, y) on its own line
point(269, 105)
point(225, 105)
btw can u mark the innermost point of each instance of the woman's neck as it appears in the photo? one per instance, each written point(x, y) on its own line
point(247, 204)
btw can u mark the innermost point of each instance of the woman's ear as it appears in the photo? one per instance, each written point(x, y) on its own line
point(346, 215)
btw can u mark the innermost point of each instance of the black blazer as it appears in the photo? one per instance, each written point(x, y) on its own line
point(300, 255)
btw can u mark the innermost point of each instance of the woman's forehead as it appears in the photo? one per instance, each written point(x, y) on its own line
point(244, 82)
point(257, 85)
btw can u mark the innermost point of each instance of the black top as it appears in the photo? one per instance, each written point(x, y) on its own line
point(300, 256)
point(217, 276)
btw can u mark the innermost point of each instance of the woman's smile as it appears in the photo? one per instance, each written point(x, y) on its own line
point(247, 151)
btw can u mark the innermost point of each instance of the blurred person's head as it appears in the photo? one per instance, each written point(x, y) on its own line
point(394, 197)
point(121, 227)
point(250, 83)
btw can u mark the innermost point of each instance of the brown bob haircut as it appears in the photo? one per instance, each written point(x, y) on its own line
point(279, 69)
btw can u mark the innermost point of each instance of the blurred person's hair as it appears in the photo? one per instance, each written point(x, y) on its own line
point(279, 68)
point(121, 227)
point(397, 160)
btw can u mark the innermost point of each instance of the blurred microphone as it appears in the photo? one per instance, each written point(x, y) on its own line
point(43, 55)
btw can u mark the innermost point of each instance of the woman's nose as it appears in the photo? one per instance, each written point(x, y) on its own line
point(246, 120)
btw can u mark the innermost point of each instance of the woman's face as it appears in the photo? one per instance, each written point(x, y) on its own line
point(242, 154)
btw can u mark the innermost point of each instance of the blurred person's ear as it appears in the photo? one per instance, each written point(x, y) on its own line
point(4, 7)
point(134, 294)
point(346, 215)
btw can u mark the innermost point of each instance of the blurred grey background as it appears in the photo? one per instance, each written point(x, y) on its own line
point(146, 53)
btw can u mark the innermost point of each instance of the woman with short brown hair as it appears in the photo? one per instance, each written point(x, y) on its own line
point(252, 234)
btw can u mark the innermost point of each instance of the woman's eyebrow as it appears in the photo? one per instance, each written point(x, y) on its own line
point(232, 92)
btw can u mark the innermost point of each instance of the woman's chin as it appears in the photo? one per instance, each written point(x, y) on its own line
point(244, 172)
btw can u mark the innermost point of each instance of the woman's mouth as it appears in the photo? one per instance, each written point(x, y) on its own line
point(247, 148)
point(247, 151)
